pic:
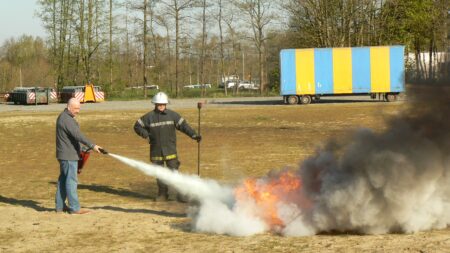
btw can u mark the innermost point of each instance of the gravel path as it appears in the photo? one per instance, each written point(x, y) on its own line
point(146, 104)
point(179, 103)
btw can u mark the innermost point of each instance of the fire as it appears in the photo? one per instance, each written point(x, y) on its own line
point(268, 193)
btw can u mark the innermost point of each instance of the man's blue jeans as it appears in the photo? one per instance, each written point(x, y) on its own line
point(67, 186)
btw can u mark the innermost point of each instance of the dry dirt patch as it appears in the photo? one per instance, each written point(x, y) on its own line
point(238, 143)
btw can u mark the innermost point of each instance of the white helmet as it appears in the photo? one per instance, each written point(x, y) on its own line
point(160, 98)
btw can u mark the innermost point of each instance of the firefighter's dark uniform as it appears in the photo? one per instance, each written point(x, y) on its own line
point(159, 128)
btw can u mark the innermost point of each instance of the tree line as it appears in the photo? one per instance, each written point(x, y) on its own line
point(171, 43)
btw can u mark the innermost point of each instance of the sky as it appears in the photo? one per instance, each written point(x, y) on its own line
point(18, 17)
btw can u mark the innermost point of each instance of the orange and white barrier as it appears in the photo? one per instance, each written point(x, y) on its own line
point(79, 96)
point(53, 95)
point(31, 96)
point(99, 95)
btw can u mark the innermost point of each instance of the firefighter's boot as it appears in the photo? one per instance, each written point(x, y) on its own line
point(163, 192)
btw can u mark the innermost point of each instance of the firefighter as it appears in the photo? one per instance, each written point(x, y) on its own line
point(158, 127)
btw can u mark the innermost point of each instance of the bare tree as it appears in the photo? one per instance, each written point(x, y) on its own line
point(110, 44)
point(155, 39)
point(129, 72)
point(164, 22)
point(222, 67)
point(175, 9)
point(88, 44)
point(144, 40)
point(259, 13)
point(230, 21)
point(56, 17)
point(22, 54)
point(204, 7)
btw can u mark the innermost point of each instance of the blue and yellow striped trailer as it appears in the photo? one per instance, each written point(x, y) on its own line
point(315, 72)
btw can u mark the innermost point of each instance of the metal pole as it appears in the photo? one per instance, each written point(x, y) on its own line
point(199, 106)
point(243, 66)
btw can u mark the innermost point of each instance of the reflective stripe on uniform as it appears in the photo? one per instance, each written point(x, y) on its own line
point(140, 122)
point(160, 158)
point(180, 121)
point(164, 123)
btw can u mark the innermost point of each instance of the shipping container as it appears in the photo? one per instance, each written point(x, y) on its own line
point(69, 92)
point(86, 93)
point(308, 74)
point(32, 95)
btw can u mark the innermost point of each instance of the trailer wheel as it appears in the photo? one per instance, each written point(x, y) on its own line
point(305, 99)
point(292, 100)
point(390, 97)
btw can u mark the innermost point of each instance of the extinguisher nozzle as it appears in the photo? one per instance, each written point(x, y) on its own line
point(103, 151)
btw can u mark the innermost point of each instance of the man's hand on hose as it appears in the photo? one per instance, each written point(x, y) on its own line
point(96, 148)
point(198, 138)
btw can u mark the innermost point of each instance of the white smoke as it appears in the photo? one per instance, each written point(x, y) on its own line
point(191, 185)
point(217, 212)
point(215, 217)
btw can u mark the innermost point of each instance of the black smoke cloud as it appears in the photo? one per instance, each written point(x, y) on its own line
point(394, 181)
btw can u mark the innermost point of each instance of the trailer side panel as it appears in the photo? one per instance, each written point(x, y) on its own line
point(397, 69)
point(333, 71)
point(304, 66)
point(361, 70)
point(287, 64)
point(323, 66)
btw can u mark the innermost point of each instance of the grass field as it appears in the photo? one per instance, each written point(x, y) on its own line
point(238, 142)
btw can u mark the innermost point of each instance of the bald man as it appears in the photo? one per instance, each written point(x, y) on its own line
point(68, 148)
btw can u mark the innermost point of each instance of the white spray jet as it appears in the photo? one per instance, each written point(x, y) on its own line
point(190, 185)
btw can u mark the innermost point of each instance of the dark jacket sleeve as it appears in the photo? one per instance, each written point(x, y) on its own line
point(74, 130)
point(139, 128)
point(182, 125)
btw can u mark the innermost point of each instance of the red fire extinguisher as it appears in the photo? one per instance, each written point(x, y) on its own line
point(84, 156)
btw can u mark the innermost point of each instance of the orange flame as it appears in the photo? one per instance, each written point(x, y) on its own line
point(267, 194)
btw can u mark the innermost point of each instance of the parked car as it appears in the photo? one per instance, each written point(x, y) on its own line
point(229, 84)
point(247, 85)
point(197, 86)
point(243, 84)
point(152, 87)
point(140, 87)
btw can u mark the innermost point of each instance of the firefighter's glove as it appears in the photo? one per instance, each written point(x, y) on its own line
point(198, 138)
